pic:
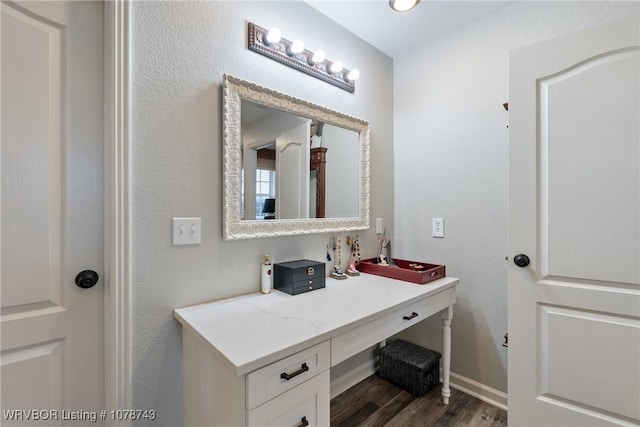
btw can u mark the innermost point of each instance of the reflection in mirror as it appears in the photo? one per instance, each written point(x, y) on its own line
point(290, 167)
point(309, 167)
point(275, 162)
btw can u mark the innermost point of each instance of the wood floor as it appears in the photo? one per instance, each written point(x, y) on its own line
point(378, 403)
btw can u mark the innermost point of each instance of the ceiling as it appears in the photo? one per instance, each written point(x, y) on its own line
point(394, 33)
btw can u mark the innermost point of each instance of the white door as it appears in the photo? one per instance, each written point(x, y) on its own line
point(292, 173)
point(51, 211)
point(574, 311)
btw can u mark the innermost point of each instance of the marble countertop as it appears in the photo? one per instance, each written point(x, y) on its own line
point(253, 330)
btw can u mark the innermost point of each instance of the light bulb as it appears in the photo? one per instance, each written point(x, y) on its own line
point(353, 75)
point(273, 36)
point(337, 66)
point(318, 56)
point(402, 5)
point(296, 47)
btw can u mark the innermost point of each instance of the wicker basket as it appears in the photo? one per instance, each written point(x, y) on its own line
point(414, 368)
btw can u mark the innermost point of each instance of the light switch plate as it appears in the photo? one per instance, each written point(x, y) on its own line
point(186, 231)
point(437, 227)
point(378, 225)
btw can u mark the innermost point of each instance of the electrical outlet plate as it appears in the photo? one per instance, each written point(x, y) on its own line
point(186, 231)
point(437, 227)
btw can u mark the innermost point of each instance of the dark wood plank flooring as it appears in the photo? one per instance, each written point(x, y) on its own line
point(377, 403)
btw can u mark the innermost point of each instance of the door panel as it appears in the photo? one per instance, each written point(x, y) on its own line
point(574, 161)
point(564, 359)
point(589, 158)
point(31, 160)
point(51, 207)
point(38, 367)
point(292, 173)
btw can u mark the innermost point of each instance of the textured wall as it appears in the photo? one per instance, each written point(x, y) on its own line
point(180, 51)
point(451, 161)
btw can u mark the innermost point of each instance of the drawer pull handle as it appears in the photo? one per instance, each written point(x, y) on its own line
point(414, 314)
point(303, 422)
point(303, 368)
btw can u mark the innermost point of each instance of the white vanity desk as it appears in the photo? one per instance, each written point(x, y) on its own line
point(239, 352)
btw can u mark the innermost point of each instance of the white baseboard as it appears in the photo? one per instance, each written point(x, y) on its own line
point(478, 390)
point(466, 385)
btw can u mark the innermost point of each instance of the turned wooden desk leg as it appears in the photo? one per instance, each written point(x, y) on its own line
point(446, 315)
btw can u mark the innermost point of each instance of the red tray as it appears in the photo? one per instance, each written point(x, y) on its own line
point(402, 270)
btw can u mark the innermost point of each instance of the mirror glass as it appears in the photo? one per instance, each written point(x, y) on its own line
point(290, 167)
point(277, 150)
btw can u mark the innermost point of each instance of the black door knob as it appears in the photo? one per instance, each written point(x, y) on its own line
point(521, 260)
point(86, 279)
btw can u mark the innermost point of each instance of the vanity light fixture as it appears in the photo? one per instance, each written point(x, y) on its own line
point(270, 43)
point(403, 5)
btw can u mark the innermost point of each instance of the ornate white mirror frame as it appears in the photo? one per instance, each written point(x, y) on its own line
point(234, 227)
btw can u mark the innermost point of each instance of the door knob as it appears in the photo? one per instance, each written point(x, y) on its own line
point(521, 260)
point(86, 279)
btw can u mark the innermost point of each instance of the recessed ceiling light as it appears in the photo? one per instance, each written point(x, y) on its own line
point(402, 5)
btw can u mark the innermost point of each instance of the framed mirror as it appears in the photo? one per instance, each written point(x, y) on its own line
point(290, 166)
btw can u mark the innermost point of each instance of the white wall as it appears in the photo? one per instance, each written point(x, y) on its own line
point(451, 148)
point(180, 51)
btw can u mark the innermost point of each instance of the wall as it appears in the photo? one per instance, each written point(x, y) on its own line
point(451, 161)
point(180, 51)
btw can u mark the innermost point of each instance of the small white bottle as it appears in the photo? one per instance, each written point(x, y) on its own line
point(266, 284)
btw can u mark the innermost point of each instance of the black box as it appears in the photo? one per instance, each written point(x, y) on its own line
point(296, 277)
point(414, 368)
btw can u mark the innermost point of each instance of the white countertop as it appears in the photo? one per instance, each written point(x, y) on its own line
point(253, 330)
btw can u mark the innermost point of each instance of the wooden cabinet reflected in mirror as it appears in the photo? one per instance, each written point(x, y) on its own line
point(318, 167)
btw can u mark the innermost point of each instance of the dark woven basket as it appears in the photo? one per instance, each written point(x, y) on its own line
point(414, 368)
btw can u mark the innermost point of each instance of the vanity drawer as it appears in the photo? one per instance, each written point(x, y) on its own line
point(308, 285)
point(364, 336)
point(268, 382)
point(307, 404)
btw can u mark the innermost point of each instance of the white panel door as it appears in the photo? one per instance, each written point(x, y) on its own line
point(292, 173)
point(51, 211)
point(574, 311)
